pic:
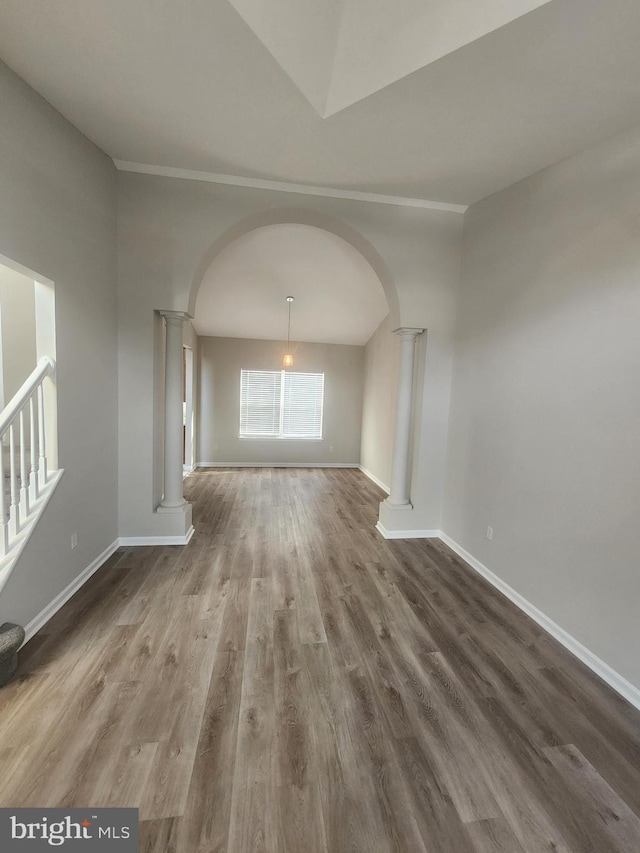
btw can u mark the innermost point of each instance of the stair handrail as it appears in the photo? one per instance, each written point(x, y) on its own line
point(46, 365)
point(23, 422)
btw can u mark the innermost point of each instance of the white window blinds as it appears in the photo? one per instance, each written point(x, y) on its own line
point(260, 394)
point(281, 404)
point(302, 405)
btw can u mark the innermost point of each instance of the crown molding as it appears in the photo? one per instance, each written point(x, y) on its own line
point(284, 187)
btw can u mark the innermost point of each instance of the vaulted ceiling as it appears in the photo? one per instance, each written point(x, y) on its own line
point(447, 100)
point(340, 51)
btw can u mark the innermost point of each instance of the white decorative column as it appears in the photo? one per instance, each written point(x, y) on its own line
point(399, 497)
point(399, 494)
point(173, 499)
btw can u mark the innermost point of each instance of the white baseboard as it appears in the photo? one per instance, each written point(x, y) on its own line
point(374, 479)
point(406, 534)
point(52, 608)
point(133, 541)
point(277, 465)
point(620, 684)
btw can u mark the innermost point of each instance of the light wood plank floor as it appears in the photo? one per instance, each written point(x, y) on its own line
point(290, 681)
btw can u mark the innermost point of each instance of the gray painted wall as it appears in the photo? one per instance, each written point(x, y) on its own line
point(58, 218)
point(17, 330)
point(220, 363)
point(545, 405)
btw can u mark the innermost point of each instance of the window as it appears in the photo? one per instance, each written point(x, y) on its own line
point(280, 404)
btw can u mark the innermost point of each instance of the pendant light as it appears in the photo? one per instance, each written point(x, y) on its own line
point(287, 360)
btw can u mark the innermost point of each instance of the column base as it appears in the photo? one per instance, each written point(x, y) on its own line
point(172, 508)
point(177, 522)
point(402, 521)
point(389, 504)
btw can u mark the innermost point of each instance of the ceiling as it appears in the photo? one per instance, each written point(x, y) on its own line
point(448, 100)
point(341, 51)
point(338, 297)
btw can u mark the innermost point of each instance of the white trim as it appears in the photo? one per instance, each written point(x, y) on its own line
point(134, 541)
point(406, 534)
point(277, 465)
point(284, 187)
point(278, 438)
point(620, 684)
point(373, 477)
point(52, 608)
point(25, 271)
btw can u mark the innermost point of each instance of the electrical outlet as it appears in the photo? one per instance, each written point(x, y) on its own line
point(489, 532)
point(215, 446)
point(331, 448)
point(74, 541)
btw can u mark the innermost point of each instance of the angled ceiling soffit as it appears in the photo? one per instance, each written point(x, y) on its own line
point(339, 52)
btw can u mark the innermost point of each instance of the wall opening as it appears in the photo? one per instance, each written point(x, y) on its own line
point(27, 334)
point(240, 316)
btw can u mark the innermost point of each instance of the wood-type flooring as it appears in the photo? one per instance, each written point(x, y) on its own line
point(291, 682)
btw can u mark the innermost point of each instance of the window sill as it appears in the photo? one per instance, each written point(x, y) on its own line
point(276, 438)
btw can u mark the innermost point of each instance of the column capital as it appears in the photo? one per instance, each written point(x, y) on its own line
point(174, 318)
point(407, 333)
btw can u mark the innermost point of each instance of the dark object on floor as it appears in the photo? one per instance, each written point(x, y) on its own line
point(11, 638)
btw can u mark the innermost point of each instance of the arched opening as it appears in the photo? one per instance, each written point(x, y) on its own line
point(300, 216)
point(342, 291)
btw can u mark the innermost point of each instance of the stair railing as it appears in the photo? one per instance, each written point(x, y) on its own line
point(27, 468)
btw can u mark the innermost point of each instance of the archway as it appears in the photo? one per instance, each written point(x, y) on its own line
point(300, 216)
point(343, 292)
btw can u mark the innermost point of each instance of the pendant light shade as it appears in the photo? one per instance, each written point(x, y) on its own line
point(287, 359)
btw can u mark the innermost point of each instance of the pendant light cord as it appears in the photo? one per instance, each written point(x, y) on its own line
point(289, 327)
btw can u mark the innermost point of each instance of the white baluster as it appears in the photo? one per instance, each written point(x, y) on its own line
point(33, 479)
point(24, 471)
point(42, 468)
point(4, 512)
point(27, 468)
point(14, 516)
